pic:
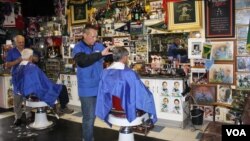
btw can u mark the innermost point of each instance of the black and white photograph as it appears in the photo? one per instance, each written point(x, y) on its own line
point(243, 64)
point(195, 48)
point(243, 81)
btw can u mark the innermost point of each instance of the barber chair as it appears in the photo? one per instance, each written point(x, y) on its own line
point(118, 117)
point(41, 121)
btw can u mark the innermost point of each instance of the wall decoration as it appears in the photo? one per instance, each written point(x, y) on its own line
point(184, 15)
point(206, 54)
point(221, 73)
point(242, 32)
point(204, 95)
point(243, 81)
point(243, 64)
point(241, 48)
point(222, 50)
point(242, 4)
point(79, 14)
point(224, 94)
point(242, 16)
point(219, 19)
point(195, 47)
point(199, 76)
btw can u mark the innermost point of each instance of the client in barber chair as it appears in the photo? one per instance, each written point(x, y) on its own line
point(31, 80)
point(122, 82)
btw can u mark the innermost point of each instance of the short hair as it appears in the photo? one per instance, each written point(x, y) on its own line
point(27, 53)
point(89, 26)
point(119, 52)
point(18, 37)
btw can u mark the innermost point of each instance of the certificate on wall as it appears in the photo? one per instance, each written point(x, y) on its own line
point(219, 16)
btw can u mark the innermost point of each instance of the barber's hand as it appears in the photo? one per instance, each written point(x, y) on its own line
point(106, 51)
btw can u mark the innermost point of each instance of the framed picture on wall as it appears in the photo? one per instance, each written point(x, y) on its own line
point(224, 94)
point(79, 14)
point(242, 32)
point(243, 81)
point(195, 47)
point(241, 48)
point(221, 74)
point(204, 95)
point(219, 19)
point(222, 50)
point(243, 64)
point(184, 15)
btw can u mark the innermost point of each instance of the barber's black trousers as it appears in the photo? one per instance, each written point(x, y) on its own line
point(63, 97)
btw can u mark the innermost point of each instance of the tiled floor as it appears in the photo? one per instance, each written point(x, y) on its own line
point(167, 133)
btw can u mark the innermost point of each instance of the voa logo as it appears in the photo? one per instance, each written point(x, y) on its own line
point(236, 132)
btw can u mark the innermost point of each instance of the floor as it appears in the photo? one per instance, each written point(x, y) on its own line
point(68, 128)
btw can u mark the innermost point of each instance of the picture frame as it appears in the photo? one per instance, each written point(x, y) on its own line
point(184, 15)
point(195, 48)
point(219, 19)
point(242, 4)
point(242, 31)
point(242, 48)
point(204, 94)
point(222, 50)
point(221, 74)
point(224, 94)
point(243, 81)
point(199, 76)
point(243, 64)
point(79, 14)
point(242, 16)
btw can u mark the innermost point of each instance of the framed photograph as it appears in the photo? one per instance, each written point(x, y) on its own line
point(242, 48)
point(199, 76)
point(223, 50)
point(195, 47)
point(184, 15)
point(221, 74)
point(242, 16)
point(242, 4)
point(204, 95)
point(224, 94)
point(198, 63)
point(243, 81)
point(242, 32)
point(219, 19)
point(243, 64)
point(79, 14)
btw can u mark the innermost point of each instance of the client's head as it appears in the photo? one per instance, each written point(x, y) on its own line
point(120, 54)
point(27, 54)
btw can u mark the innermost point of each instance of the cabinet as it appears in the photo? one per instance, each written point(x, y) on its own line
point(6, 91)
point(171, 107)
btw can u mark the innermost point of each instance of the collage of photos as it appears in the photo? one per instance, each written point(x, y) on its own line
point(170, 96)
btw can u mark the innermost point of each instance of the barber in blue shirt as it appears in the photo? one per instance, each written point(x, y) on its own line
point(12, 61)
point(88, 55)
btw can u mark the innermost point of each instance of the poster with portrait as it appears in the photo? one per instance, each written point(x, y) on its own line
point(184, 15)
point(79, 13)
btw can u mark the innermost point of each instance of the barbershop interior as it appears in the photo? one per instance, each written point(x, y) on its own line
point(123, 70)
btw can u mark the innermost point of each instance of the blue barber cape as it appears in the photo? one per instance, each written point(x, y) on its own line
point(29, 79)
point(126, 85)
